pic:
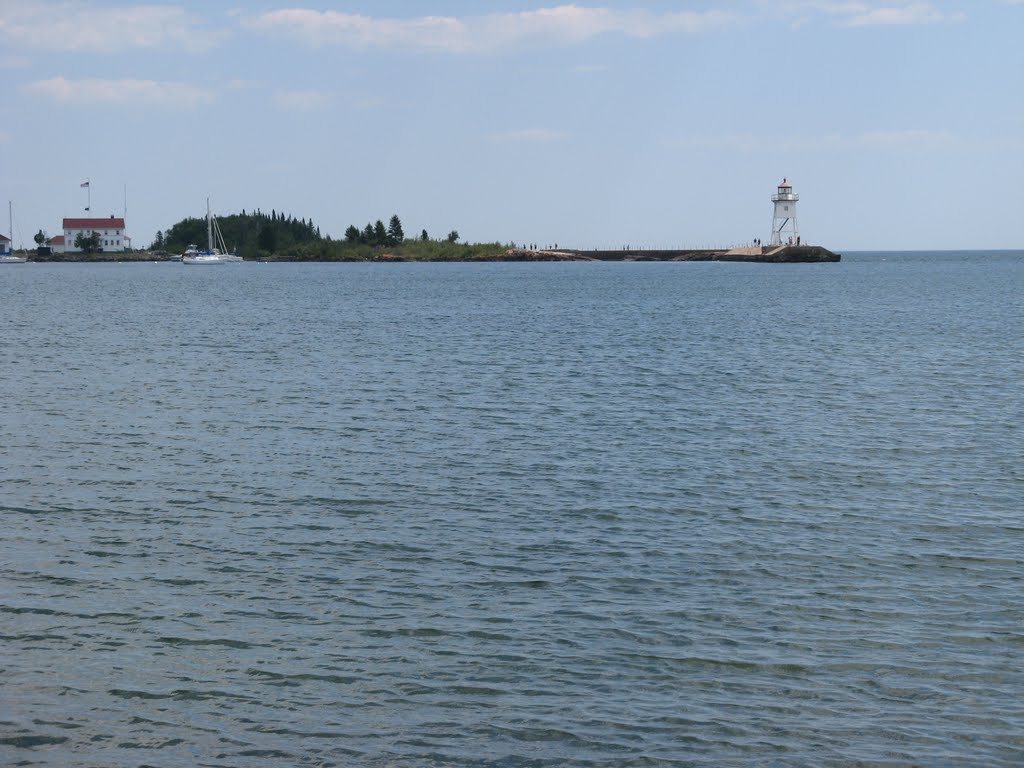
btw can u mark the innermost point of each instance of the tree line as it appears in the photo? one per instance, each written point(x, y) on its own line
point(259, 235)
point(250, 235)
point(377, 234)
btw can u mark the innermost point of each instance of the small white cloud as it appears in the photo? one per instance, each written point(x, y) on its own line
point(239, 84)
point(73, 26)
point(911, 14)
point(528, 135)
point(865, 14)
point(129, 93)
point(565, 24)
point(14, 62)
point(905, 140)
point(908, 138)
point(303, 101)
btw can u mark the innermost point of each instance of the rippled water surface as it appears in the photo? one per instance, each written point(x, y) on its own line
point(513, 515)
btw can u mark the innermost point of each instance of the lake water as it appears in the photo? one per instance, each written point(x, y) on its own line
point(513, 514)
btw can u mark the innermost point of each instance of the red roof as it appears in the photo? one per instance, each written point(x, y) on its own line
point(56, 240)
point(110, 223)
point(5, 238)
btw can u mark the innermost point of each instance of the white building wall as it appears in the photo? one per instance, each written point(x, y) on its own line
point(111, 239)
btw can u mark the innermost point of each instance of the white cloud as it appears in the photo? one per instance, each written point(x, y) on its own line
point(14, 62)
point(129, 93)
point(866, 14)
point(240, 84)
point(914, 13)
point(528, 135)
point(563, 24)
point(920, 139)
point(904, 140)
point(301, 101)
point(74, 26)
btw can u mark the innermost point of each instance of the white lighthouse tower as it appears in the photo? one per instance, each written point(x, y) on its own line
point(784, 226)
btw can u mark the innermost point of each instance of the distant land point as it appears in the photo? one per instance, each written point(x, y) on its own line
point(778, 254)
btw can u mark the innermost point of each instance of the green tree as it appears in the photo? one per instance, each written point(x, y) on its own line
point(453, 236)
point(352, 234)
point(380, 233)
point(40, 238)
point(367, 235)
point(158, 242)
point(424, 236)
point(267, 239)
point(88, 243)
point(395, 233)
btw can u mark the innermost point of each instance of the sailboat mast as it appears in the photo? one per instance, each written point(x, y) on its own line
point(209, 228)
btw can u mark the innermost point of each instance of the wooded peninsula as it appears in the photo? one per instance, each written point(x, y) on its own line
point(258, 236)
point(281, 237)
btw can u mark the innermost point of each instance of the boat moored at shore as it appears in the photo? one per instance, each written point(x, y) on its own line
point(216, 251)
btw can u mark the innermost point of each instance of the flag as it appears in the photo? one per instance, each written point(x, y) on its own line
point(84, 184)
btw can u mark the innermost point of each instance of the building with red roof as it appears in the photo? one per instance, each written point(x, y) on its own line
point(5, 244)
point(110, 231)
point(56, 243)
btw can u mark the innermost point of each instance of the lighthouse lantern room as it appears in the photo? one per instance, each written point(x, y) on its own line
point(785, 228)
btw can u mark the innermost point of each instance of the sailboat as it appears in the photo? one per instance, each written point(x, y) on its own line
point(10, 258)
point(216, 251)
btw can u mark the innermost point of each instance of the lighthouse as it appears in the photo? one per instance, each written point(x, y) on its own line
point(784, 225)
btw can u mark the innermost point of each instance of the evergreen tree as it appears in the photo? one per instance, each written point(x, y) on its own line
point(395, 233)
point(453, 236)
point(367, 236)
point(380, 233)
point(352, 234)
point(88, 243)
point(267, 239)
point(424, 236)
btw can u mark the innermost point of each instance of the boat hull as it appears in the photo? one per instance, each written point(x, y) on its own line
point(196, 261)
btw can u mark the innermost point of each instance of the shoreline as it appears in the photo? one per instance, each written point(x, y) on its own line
point(787, 254)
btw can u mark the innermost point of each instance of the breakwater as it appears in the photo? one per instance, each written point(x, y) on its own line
point(779, 254)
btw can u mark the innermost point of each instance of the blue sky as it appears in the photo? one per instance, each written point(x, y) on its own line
point(900, 124)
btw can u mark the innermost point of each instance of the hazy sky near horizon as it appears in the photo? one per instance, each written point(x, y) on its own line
point(587, 124)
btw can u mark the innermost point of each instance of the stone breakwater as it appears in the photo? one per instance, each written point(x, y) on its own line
point(780, 254)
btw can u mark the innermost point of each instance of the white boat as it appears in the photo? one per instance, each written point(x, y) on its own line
point(216, 252)
point(10, 258)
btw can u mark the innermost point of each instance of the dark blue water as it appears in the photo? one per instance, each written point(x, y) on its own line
point(513, 515)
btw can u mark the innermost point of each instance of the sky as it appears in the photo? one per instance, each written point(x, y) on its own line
point(583, 124)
